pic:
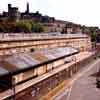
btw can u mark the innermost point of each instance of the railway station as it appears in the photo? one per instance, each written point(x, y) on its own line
point(35, 72)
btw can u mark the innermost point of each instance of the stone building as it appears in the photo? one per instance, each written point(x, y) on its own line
point(38, 17)
point(72, 28)
point(13, 12)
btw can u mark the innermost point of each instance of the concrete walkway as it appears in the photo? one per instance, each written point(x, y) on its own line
point(85, 87)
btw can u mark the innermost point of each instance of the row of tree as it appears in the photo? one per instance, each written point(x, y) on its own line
point(25, 26)
point(92, 31)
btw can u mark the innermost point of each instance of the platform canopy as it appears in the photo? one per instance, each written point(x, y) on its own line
point(23, 61)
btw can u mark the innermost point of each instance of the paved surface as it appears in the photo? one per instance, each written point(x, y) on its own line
point(84, 88)
point(64, 95)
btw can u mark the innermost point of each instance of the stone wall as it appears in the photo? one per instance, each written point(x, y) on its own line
point(11, 47)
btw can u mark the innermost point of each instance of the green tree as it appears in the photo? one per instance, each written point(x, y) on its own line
point(23, 26)
point(93, 37)
point(37, 27)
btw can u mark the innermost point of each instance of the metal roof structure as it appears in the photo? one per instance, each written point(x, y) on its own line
point(24, 61)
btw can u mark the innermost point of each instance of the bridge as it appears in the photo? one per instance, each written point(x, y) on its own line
point(17, 43)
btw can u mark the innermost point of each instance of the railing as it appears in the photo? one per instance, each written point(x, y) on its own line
point(22, 36)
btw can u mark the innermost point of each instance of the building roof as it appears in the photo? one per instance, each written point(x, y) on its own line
point(24, 61)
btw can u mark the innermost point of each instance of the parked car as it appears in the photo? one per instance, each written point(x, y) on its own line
point(98, 80)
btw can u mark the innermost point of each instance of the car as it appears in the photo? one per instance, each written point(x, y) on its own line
point(98, 80)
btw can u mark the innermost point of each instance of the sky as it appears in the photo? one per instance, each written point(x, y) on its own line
point(85, 12)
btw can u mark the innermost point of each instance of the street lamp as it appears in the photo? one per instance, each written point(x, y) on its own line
point(74, 59)
point(13, 88)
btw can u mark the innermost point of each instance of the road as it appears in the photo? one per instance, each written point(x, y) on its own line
point(84, 88)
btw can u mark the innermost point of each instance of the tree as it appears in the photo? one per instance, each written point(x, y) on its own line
point(7, 27)
point(23, 26)
point(37, 27)
point(93, 37)
point(26, 26)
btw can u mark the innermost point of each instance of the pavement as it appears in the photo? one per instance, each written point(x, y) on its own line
point(83, 87)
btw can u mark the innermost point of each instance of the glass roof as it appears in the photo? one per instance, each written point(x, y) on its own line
point(39, 56)
point(3, 71)
point(20, 61)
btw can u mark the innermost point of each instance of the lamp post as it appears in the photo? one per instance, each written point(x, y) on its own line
point(74, 59)
point(13, 88)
